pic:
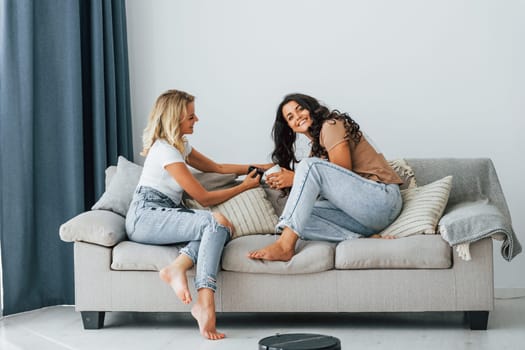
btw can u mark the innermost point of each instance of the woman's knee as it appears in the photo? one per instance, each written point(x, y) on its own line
point(307, 163)
point(222, 220)
point(308, 167)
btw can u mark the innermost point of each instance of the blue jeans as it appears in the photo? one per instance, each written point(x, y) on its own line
point(330, 203)
point(153, 218)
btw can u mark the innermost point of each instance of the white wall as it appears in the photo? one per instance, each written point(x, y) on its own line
point(423, 78)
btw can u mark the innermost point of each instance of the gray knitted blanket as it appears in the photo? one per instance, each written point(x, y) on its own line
point(476, 207)
point(471, 221)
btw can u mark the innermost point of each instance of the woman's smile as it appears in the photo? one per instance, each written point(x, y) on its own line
point(297, 117)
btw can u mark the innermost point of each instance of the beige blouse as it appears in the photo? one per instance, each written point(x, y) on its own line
point(365, 159)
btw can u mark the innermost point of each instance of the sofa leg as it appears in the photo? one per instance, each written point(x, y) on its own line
point(478, 320)
point(93, 319)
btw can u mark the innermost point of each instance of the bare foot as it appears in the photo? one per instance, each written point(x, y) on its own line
point(381, 237)
point(274, 252)
point(281, 250)
point(205, 316)
point(175, 275)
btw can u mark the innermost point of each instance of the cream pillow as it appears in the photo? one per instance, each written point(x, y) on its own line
point(101, 227)
point(249, 212)
point(422, 209)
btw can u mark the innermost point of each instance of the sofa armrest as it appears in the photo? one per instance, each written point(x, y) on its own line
point(100, 227)
point(468, 222)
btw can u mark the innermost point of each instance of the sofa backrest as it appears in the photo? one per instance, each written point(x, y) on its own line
point(473, 179)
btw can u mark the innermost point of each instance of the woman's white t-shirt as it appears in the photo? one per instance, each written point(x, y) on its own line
point(156, 176)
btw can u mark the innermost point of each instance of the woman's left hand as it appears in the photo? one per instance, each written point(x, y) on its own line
point(281, 179)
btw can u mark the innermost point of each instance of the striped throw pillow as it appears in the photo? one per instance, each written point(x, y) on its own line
point(422, 208)
point(249, 212)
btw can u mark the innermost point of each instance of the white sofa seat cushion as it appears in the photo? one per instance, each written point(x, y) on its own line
point(310, 257)
point(414, 252)
point(128, 255)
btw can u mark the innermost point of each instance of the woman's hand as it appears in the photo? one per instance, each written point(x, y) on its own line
point(251, 180)
point(281, 179)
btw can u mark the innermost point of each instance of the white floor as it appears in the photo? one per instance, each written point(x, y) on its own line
point(60, 327)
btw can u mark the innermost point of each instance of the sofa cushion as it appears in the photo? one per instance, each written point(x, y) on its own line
point(422, 209)
point(120, 190)
point(110, 173)
point(310, 257)
point(249, 212)
point(100, 227)
point(128, 255)
point(414, 252)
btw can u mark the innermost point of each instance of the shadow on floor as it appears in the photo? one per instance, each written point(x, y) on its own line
point(415, 320)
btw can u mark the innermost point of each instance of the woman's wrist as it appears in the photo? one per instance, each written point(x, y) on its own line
point(258, 172)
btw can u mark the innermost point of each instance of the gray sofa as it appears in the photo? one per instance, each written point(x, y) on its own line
point(419, 273)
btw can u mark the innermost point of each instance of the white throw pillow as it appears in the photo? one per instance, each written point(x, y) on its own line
point(249, 212)
point(101, 227)
point(422, 208)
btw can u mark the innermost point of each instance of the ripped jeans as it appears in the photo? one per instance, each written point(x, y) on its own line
point(153, 218)
point(330, 203)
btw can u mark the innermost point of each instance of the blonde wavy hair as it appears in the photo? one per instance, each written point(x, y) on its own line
point(164, 120)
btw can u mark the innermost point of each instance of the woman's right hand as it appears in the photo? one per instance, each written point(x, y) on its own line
point(281, 179)
point(251, 180)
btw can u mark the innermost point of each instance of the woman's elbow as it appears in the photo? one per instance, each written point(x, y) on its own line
point(203, 201)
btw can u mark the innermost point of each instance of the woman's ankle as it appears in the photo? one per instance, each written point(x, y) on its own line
point(206, 296)
point(288, 238)
point(183, 262)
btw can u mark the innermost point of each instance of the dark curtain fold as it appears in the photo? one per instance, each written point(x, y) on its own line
point(64, 117)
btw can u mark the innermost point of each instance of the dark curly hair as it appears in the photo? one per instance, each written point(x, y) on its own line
point(284, 137)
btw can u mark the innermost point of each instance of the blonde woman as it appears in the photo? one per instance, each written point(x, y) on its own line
point(158, 216)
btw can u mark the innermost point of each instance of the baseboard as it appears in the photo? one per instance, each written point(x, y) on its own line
point(509, 293)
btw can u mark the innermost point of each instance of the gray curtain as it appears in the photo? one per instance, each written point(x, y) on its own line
point(64, 117)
